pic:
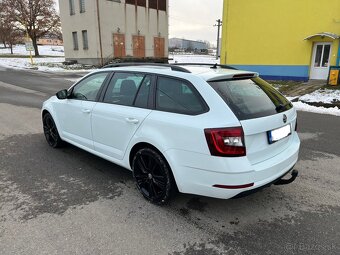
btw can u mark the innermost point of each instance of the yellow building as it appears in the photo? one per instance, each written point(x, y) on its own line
point(282, 39)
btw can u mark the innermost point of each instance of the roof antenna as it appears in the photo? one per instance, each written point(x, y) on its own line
point(214, 66)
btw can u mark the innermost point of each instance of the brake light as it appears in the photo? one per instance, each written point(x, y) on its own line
point(244, 76)
point(226, 142)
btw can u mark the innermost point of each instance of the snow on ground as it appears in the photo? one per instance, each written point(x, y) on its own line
point(193, 59)
point(44, 50)
point(300, 106)
point(42, 64)
point(24, 63)
point(321, 110)
point(322, 95)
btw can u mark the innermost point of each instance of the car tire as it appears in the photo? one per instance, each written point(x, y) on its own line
point(153, 176)
point(51, 132)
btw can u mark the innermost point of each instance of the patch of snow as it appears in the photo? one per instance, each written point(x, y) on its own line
point(41, 64)
point(24, 63)
point(322, 95)
point(44, 50)
point(321, 110)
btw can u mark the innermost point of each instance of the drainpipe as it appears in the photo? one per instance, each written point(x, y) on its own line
point(100, 34)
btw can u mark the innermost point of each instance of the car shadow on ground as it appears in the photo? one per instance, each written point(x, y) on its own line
point(37, 179)
point(58, 179)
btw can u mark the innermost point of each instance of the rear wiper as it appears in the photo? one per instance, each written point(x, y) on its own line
point(281, 107)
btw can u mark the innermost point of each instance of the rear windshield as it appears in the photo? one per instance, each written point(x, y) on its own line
point(251, 98)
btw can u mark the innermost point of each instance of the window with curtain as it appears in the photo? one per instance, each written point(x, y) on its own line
point(82, 6)
point(75, 40)
point(72, 11)
point(85, 40)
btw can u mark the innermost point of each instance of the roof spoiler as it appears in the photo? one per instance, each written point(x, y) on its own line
point(239, 76)
point(212, 66)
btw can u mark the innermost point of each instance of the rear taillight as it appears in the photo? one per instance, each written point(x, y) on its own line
point(226, 142)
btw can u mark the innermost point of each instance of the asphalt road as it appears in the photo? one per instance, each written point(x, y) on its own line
point(68, 201)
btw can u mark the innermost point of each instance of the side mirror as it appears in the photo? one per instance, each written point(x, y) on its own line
point(62, 94)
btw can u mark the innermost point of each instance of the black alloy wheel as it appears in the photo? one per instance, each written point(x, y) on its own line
point(153, 176)
point(51, 131)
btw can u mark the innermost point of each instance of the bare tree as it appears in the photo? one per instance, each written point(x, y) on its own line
point(2, 25)
point(36, 17)
point(9, 34)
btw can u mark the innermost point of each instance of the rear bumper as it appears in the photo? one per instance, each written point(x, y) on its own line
point(279, 181)
point(198, 173)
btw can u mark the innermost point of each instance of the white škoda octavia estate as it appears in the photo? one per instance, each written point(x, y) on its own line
point(207, 130)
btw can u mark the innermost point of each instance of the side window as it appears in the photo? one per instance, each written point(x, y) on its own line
point(123, 88)
point(88, 88)
point(143, 93)
point(177, 96)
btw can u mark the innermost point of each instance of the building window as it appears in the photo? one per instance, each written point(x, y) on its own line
point(137, 2)
point(153, 4)
point(82, 6)
point(75, 40)
point(162, 5)
point(72, 12)
point(157, 4)
point(141, 3)
point(85, 40)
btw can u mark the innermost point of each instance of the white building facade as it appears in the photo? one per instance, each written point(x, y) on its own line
point(97, 31)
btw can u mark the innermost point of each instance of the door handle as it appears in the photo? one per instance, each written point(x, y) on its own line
point(132, 120)
point(86, 111)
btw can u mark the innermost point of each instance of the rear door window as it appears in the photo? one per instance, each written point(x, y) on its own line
point(251, 98)
point(123, 88)
point(178, 96)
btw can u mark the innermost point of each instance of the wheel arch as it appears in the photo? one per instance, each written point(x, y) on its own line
point(44, 112)
point(141, 145)
point(48, 109)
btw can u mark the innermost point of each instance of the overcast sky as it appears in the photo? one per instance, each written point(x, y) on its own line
point(194, 19)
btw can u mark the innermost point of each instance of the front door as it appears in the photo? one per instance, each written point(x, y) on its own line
point(119, 45)
point(138, 46)
point(74, 113)
point(320, 61)
point(159, 50)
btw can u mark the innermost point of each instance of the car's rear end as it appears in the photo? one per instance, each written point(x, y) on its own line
point(260, 150)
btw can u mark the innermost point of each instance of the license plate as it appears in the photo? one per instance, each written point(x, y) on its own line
point(278, 134)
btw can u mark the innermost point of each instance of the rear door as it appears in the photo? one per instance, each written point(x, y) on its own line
point(267, 117)
point(121, 112)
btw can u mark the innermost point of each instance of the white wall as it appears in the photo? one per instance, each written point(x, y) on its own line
point(113, 15)
point(77, 23)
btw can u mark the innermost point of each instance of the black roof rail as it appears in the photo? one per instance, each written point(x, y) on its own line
point(213, 66)
point(173, 67)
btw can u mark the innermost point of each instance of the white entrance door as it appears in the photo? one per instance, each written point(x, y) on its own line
point(320, 61)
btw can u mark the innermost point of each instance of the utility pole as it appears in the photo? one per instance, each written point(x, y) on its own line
point(218, 25)
point(100, 35)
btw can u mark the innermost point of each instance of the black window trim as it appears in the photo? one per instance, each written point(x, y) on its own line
point(70, 90)
point(191, 86)
point(150, 99)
